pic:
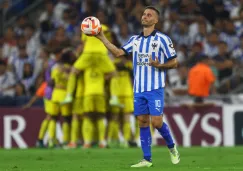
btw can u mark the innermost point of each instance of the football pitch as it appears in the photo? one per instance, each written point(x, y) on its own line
point(192, 159)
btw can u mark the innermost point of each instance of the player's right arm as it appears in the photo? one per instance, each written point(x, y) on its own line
point(117, 52)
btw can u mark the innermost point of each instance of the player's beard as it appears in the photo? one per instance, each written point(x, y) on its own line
point(146, 24)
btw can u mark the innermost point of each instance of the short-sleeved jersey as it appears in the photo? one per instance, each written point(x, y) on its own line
point(121, 84)
point(94, 82)
point(147, 78)
point(94, 45)
point(60, 74)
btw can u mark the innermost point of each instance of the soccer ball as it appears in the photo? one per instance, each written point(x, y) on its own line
point(91, 26)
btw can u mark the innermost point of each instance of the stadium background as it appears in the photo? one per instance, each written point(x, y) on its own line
point(202, 27)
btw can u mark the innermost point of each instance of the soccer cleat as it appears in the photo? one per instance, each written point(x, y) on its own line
point(68, 99)
point(51, 143)
point(143, 163)
point(174, 155)
point(70, 146)
point(86, 146)
point(40, 144)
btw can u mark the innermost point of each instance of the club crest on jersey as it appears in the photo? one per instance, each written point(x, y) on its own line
point(154, 45)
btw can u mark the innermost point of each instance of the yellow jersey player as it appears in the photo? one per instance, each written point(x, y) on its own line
point(95, 102)
point(93, 49)
point(77, 113)
point(121, 86)
point(59, 76)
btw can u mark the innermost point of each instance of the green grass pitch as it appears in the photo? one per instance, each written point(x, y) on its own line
point(192, 159)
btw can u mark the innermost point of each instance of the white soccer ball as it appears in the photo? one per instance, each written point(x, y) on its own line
point(91, 26)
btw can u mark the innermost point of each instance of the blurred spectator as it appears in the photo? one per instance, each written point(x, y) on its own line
point(238, 52)
point(195, 54)
point(48, 14)
point(28, 79)
point(179, 86)
point(223, 62)
point(9, 44)
point(60, 39)
point(181, 36)
point(239, 23)
point(229, 35)
point(124, 35)
point(210, 46)
point(7, 81)
point(208, 10)
point(201, 79)
point(20, 90)
point(20, 24)
point(59, 9)
point(16, 63)
point(32, 41)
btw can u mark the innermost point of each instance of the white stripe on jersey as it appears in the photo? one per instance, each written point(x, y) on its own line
point(147, 78)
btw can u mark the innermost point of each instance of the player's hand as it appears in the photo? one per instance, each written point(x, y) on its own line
point(154, 63)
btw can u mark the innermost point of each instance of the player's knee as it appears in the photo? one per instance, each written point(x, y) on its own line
point(143, 120)
point(54, 118)
point(157, 121)
point(75, 116)
point(127, 117)
point(48, 117)
point(67, 119)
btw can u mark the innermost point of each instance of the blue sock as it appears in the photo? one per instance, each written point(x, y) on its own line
point(165, 132)
point(145, 138)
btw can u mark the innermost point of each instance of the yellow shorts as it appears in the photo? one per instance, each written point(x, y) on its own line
point(128, 106)
point(94, 103)
point(77, 106)
point(95, 60)
point(47, 106)
point(58, 95)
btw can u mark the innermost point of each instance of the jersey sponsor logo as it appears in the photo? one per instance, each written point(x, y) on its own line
point(143, 63)
point(143, 55)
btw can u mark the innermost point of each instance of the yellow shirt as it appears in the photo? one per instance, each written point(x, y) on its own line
point(122, 84)
point(60, 74)
point(94, 82)
point(79, 86)
point(94, 45)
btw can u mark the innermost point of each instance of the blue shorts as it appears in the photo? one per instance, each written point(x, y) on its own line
point(149, 102)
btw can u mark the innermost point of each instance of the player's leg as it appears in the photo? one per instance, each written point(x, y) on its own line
point(82, 63)
point(88, 124)
point(100, 110)
point(156, 105)
point(42, 131)
point(141, 111)
point(54, 111)
point(75, 125)
point(113, 127)
point(67, 117)
point(127, 110)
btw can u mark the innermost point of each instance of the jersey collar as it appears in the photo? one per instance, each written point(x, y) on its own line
point(152, 34)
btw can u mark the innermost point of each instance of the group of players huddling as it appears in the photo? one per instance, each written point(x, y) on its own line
point(87, 89)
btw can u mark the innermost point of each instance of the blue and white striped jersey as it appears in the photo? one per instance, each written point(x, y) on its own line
point(147, 78)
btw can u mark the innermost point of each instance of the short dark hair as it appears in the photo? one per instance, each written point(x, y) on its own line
point(153, 8)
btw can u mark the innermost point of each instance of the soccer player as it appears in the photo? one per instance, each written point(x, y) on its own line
point(153, 53)
point(59, 76)
point(121, 86)
point(45, 91)
point(77, 113)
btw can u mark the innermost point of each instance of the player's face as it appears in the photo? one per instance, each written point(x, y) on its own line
point(149, 18)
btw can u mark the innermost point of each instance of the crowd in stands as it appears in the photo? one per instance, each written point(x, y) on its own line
point(202, 28)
